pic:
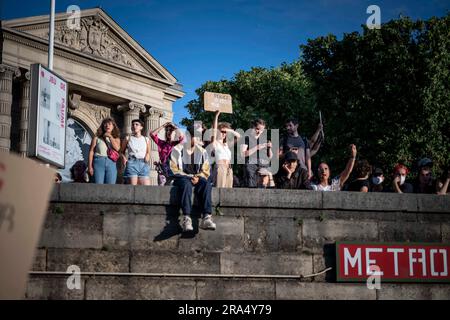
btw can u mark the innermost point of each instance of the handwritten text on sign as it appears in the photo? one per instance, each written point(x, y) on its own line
point(411, 262)
point(218, 101)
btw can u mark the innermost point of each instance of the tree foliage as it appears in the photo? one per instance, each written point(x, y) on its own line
point(385, 90)
point(271, 94)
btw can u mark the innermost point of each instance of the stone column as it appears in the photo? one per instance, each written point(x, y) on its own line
point(131, 111)
point(151, 123)
point(24, 112)
point(6, 79)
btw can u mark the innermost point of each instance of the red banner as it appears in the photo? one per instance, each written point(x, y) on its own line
point(401, 262)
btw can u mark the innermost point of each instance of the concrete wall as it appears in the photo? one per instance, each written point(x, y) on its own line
point(121, 229)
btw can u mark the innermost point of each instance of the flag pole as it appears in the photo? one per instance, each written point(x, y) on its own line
point(51, 35)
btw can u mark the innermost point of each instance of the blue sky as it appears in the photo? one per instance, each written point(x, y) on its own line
point(211, 40)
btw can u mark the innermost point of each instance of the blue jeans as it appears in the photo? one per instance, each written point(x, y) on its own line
point(105, 170)
point(202, 191)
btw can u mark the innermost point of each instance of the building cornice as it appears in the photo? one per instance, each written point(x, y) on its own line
point(80, 57)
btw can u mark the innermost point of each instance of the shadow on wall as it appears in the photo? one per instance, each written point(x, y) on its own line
point(172, 226)
point(329, 252)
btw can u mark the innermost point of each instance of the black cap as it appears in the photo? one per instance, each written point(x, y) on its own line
point(424, 162)
point(377, 172)
point(290, 156)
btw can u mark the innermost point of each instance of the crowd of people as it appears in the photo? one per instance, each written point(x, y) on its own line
point(204, 159)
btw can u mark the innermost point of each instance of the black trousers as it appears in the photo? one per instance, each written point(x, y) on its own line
point(202, 191)
point(251, 175)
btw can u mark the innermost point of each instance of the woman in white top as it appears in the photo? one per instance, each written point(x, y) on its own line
point(337, 182)
point(222, 152)
point(137, 146)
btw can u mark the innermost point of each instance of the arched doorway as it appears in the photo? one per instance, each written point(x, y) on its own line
point(78, 141)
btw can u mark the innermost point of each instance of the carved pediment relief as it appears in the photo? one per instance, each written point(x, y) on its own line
point(98, 37)
point(95, 38)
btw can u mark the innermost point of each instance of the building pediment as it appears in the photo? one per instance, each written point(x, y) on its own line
point(97, 35)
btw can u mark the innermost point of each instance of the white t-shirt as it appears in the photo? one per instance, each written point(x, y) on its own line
point(334, 186)
point(137, 147)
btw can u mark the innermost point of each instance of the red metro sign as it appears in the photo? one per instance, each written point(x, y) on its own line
point(393, 262)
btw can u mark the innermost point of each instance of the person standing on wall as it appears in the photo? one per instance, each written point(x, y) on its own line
point(137, 146)
point(101, 167)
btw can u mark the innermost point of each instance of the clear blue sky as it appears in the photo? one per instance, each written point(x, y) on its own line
point(210, 40)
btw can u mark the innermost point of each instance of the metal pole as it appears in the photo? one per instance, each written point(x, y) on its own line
point(320, 117)
point(51, 35)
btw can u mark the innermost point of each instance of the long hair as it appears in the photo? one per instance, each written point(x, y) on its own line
point(115, 132)
point(363, 168)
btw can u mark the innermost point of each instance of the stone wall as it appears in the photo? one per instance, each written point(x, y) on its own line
point(261, 236)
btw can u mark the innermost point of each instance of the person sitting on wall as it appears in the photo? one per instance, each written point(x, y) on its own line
point(292, 175)
point(376, 181)
point(425, 183)
point(361, 183)
point(399, 184)
point(190, 169)
point(324, 183)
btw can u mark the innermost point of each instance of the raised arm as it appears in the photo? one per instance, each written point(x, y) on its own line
point(215, 124)
point(444, 188)
point(155, 132)
point(349, 167)
point(316, 134)
point(235, 135)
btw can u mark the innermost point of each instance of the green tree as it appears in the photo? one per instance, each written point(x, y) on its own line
point(271, 94)
point(385, 90)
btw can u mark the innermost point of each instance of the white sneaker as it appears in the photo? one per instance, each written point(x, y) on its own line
point(207, 223)
point(187, 224)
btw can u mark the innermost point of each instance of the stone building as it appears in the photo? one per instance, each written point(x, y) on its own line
point(109, 74)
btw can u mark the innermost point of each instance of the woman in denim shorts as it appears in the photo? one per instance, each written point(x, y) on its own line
point(136, 155)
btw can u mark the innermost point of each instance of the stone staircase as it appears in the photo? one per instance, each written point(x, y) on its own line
point(268, 244)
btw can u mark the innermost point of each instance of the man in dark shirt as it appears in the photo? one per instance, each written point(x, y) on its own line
point(425, 183)
point(292, 175)
point(294, 142)
point(257, 154)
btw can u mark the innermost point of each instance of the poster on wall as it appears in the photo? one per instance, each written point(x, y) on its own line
point(48, 116)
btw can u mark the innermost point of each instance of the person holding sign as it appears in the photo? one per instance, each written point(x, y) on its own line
point(101, 167)
point(222, 152)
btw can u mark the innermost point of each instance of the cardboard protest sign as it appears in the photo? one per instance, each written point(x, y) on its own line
point(25, 188)
point(217, 101)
